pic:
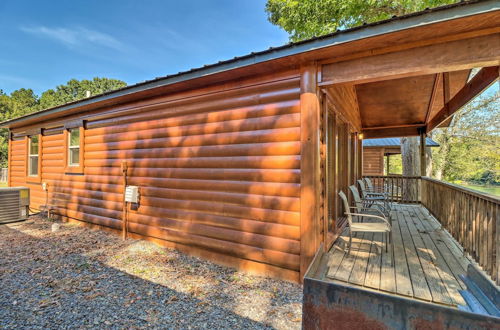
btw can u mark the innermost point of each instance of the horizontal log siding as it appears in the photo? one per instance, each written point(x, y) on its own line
point(18, 171)
point(373, 161)
point(218, 174)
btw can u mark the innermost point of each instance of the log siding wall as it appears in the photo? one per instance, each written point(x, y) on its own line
point(218, 173)
point(373, 161)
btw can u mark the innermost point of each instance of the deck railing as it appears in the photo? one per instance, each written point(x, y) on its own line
point(471, 218)
point(3, 175)
point(402, 189)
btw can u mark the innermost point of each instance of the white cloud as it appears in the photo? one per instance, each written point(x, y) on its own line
point(75, 37)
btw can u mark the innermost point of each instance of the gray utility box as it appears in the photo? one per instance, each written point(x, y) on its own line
point(14, 204)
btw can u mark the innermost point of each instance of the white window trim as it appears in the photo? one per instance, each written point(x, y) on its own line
point(30, 155)
point(70, 147)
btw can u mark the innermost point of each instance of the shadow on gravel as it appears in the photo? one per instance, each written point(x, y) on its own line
point(61, 279)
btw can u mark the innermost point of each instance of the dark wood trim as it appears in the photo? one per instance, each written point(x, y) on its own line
point(374, 128)
point(34, 131)
point(392, 132)
point(74, 124)
point(474, 87)
point(309, 167)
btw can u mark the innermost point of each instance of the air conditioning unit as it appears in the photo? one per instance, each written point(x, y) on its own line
point(14, 204)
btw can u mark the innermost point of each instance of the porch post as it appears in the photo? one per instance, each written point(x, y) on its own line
point(360, 155)
point(310, 177)
point(423, 164)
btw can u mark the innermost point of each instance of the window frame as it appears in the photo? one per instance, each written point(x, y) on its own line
point(29, 177)
point(72, 147)
point(73, 168)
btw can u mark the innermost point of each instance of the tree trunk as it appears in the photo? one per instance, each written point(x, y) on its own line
point(411, 166)
point(428, 160)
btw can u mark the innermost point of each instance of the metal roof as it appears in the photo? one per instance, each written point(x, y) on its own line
point(396, 23)
point(394, 142)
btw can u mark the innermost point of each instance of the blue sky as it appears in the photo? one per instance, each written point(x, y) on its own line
point(46, 43)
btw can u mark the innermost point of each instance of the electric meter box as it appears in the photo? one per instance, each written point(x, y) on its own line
point(132, 194)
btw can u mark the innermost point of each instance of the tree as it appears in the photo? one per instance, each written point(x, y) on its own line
point(24, 101)
point(75, 90)
point(411, 165)
point(304, 19)
point(469, 145)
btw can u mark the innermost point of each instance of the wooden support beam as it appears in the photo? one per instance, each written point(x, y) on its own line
point(309, 166)
point(475, 86)
point(450, 56)
point(384, 132)
point(432, 99)
point(446, 87)
point(423, 164)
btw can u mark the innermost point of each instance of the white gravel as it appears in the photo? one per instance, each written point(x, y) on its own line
point(81, 278)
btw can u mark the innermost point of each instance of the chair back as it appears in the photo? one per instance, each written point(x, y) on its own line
point(357, 199)
point(346, 207)
point(369, 184)
point(363, 188)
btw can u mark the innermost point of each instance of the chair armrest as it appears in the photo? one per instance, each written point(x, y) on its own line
point(379, 190)
point(381, 207)
point(367, 209)
point(377, 193)
point(375, 197)
point(371, 216)
point(370, 209)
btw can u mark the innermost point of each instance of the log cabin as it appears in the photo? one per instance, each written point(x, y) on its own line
point(377, 152)
point(240, 162)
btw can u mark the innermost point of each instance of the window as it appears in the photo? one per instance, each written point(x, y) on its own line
point(33, 155)
point(33, 160)
point(74, 147)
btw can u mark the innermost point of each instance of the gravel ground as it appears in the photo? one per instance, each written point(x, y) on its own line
point(81, 278)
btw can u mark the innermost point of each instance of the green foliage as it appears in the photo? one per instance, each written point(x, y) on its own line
point(395, 164)
point(24, 101)
point(304, 19)
point(75, 90)
point(469, 148)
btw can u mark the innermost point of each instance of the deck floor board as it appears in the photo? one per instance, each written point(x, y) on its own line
point(423, 261)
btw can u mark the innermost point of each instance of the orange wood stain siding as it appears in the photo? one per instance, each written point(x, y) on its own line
point(373, 161)
point(217, 174)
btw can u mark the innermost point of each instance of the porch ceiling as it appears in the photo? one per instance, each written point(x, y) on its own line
point(404, 101)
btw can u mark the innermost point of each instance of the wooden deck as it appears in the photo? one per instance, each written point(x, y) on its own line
point(424, 262)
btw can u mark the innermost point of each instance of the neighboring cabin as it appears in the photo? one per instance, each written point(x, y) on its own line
point(241, 162)
point(377, 153)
